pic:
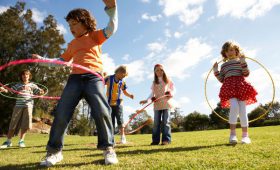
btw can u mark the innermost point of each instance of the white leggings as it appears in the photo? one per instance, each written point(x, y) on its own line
point(238, 107)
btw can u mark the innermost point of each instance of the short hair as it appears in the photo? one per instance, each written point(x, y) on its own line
point(122, 69)
point(23, 72)
point(227, 45)
point(83, 16)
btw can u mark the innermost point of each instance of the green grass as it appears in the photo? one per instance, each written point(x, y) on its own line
point(189, 150)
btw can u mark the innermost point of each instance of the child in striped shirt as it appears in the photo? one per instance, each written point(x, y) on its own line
point(22, 113)
point(235, 92)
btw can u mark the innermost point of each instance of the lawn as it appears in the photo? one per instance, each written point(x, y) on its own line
point(189, 150)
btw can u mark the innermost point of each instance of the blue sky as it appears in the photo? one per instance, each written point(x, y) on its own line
point(186, 37)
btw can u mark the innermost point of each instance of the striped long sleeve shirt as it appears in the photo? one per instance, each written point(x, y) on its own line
point(232, 68)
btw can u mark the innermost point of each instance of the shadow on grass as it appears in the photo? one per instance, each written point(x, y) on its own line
point(36, 166)
point(166, 148)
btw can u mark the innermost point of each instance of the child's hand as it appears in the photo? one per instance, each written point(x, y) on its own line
point(131, 96)
point(36, 56)
point(242, 58)
point(110, 3)
point(153, 99)
point(2, 89)
point(215, 67)
point(143, 102)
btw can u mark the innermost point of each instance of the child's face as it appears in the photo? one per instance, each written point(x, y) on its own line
point(120, 75)
point(25, 77)
point(231, 53)
point(77, 29)
point(159, 71)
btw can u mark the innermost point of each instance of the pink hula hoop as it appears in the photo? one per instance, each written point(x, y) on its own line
point(25, 61)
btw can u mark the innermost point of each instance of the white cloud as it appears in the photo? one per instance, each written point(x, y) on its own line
point(178, 34)
point(136, 71)
point(153, 18)
point(38, 16)
point(3, 9)
point(156, 47)
point(126, 57)
point(108, 64)
point(188, 11)
point(263, 84)
point(250, 9)
point(61, 29)
point(186, 56)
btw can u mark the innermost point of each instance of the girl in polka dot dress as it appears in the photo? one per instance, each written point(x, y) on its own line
point(235, 92)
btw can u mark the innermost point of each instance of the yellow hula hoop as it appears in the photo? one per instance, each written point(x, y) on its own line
point(262, 115)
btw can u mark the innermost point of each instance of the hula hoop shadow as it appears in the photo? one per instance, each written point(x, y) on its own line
point(262, 115)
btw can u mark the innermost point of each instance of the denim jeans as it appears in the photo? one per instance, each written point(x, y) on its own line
point(91, 88)
point(162, 123)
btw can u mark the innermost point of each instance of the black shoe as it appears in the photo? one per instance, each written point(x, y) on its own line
point(154, 143)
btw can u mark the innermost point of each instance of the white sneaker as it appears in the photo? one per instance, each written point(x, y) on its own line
point(246, 140)
point(51, 159)
point(6, 144)
point(110, 156)
point(233, 139)
point(21, 144)
point(123, 140)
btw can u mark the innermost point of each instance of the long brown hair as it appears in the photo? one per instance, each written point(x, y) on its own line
point(164, 77)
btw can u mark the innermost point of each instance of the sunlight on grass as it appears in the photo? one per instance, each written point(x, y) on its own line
point(189, 150)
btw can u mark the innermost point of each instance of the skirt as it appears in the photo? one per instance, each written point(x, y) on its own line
point(237, 87)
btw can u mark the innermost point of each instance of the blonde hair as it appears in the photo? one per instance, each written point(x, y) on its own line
point(230, 44)
point(122, 69)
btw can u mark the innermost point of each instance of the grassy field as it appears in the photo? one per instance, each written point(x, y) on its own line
point(189, 150)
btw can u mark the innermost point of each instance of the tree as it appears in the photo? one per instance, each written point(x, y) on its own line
point(196, 121)
point(139, 120)
point(274, 112)
point(20, 37)
point(217, 122)
point(255, 114)
point(177, 119)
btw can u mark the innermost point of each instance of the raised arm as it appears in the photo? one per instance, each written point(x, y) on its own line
point(244, 66)
point(112, 12)
point(217, 73)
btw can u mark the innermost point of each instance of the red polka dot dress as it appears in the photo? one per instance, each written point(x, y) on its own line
point(232, 75)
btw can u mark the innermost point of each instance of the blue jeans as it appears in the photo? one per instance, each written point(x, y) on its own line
point(91, 88)
point(162, 123)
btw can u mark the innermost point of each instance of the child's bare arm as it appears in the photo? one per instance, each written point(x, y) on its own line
point(128, 94)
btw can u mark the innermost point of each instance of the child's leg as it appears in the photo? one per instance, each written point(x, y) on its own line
point(166, 129)
point(101, 111)
point(15, 120)
point(69, 100)
point(243, 118)
point(234, 109)
point(26, 122)
point(156, 127)
point(114, 117)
